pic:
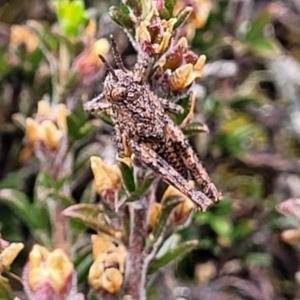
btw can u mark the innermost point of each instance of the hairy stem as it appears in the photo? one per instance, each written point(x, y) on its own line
point(136, 271)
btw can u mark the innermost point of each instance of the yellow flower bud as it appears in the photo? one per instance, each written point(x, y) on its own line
point(50, 134)
point(199, 66)
point(291, 236)
point(143, 35)
point(105, 176)
point(155, 210)
point(61, 117)
point(100, 46)
point(44, 110)
point(162, 47)
point(32, 131)
point(182, 77)
point(8, 255)
point(185, 75)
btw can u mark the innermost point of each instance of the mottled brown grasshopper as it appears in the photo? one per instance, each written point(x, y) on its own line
point(141, 117)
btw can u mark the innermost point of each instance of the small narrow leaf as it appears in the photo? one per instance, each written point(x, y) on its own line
point(83, 263)
point(19, 120)
point(5, 289)
point(186, 103)
point(127, 176)
point(140, 190)
point(194, 128)
point(182, 16)
point(106, 119)
point(173, 254)
point(18, 201)
point(169, 5)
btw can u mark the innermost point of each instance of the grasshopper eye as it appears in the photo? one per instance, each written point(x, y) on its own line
point(119, 93)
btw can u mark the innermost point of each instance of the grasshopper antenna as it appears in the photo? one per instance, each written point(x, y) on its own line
point(116, 54)
point(109, 67)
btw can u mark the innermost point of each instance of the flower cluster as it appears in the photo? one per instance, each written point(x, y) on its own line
point(154, 30)
point(50, 275)
point(107, 271)
point(177, 70)
point(48, 127)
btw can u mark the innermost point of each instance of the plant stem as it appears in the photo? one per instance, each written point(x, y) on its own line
point(136, 271)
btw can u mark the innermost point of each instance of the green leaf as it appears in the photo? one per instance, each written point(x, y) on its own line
point(182, 16)
point(20, 121)
point(255, 36)
point(35, 217)
point(180, 250)
point(259, 259)
point(83, 264)
point(5, 289)
point(71, 15)
point(195, 128)
point(89, 194)
point(124, 8)
point(257, 26)
point(140, 190)
point(127, 176)
point(15, 180)
point(164, 14)
point(242, 102)
point(243, 229)
point(221, 226)
point(78, 127)
point(186, 105)
point(89, 214)
point(167, 11)
point(264, 47)
point(169, 5)
point(122, 19)
point(106, 118)
point(43, 188)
